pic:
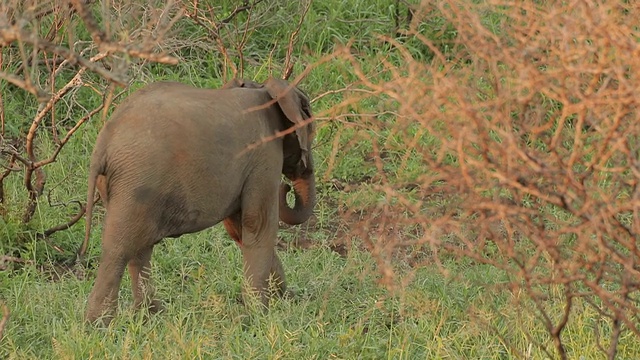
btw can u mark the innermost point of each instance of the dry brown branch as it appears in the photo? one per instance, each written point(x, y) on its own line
point(293, 83)
point(47, 233)
point(530, 133)
point(107, 46)
point(39, 58)
point(2, 113)
point(213, 31)
point(289, 62)
point(60, 144)
point(247, 5)
point(3, 175)
point(240, 45)
point(14, 34)
point(4, 260)
point(34, 167)
point(228, 34)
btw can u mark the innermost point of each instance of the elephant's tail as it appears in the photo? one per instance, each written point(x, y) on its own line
point(96, 168)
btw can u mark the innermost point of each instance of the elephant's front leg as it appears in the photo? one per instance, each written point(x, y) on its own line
point(278, 281)
point(255, 230)
point(263, 272)
point(140, 272)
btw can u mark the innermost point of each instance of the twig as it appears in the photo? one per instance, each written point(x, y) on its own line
point(556, 333)
point(66, 138)
point(5, 259)
point(34, 191)
point(25, 85)
point(246, 5)
point(107, 46)
point(75, 82)
point(615, 338)
point(214, 34)
point(241, 44)
point(2, 119)
point(11, 34)
point(35, 167)
point(15, 156)
point(276, 135)
point(288, 62)
point(45, 234)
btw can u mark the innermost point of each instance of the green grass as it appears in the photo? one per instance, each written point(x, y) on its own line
point(339, 312)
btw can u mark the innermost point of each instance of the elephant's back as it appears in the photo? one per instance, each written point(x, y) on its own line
point(186, 142)
point(178, 123)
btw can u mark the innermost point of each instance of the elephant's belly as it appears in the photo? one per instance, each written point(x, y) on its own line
point(177, 232)
point(174, 224)
point(178, 213)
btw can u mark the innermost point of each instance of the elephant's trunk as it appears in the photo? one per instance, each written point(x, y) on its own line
point(305, 197)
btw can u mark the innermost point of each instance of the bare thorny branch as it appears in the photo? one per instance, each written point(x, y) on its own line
point(17, 36)
point(106, 45)
point(207, 19)
point(544, 171)
point(289, 62)
point(230, 36)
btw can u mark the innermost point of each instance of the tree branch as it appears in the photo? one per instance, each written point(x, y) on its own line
point(246, 5)
point(108, 46)
point(5, 259)
point(288, 62)
point(12, 34)
point(45, 234)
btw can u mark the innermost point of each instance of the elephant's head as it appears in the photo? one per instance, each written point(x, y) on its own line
point(297, 160)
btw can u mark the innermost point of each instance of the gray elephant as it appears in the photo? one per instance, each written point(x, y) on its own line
point(175, 159)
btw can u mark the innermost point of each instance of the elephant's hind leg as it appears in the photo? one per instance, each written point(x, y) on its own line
point(140, 272)
point(103, 300)
point(122, 240)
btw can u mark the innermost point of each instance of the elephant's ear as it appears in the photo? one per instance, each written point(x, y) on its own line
point(296, 107)
point(242, 83)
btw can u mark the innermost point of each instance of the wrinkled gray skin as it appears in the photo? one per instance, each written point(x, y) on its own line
point(175, 159)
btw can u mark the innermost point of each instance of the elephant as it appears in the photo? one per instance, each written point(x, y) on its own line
point(176, 159)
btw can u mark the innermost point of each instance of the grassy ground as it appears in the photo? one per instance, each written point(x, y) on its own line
point(341, 310)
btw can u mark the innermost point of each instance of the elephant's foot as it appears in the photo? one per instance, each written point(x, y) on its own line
point(100, 315)
point(279, 289)
point(288, 294)
point(249, 296)
point(156, 306)
point(152, 306)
